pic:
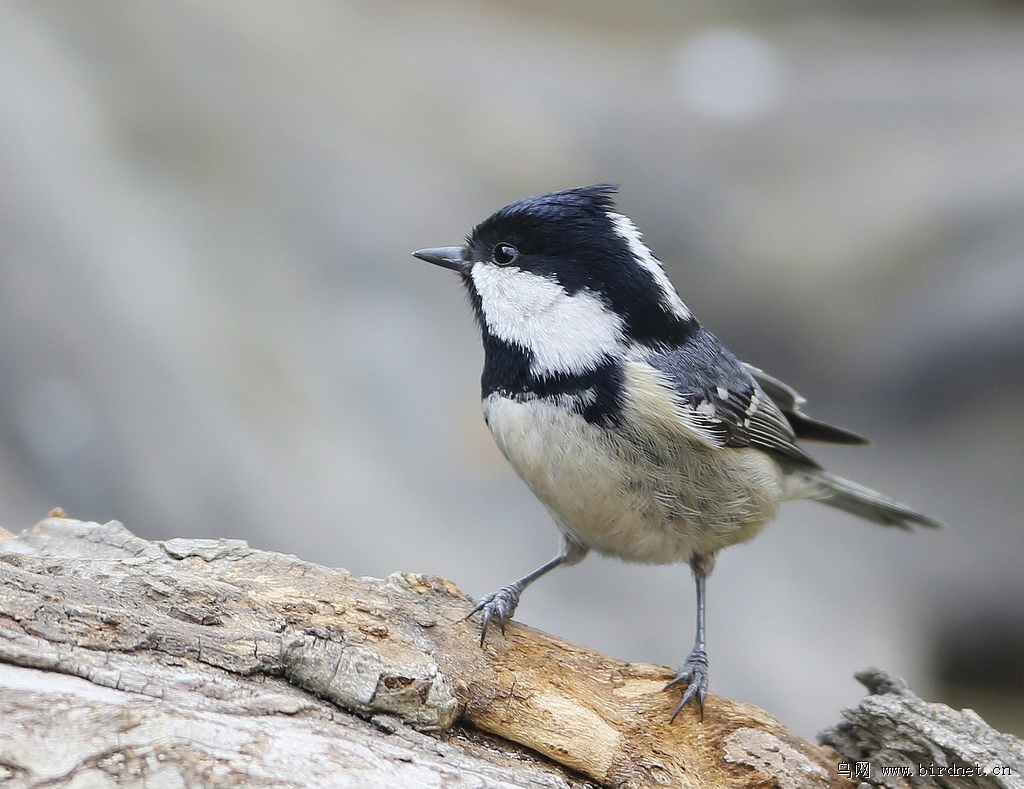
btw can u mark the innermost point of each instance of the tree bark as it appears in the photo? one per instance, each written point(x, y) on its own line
point(897, 740)
point(210, 663)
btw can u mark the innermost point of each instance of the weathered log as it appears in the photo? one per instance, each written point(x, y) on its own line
point(895, 739)
point(207, 662)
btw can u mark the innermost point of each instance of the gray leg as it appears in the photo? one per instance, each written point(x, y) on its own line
point(695, 670)
point(501, 605)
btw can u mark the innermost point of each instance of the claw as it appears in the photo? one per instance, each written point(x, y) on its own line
point(695, 674)
point(499, 606)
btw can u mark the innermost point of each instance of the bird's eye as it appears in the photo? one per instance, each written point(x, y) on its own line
point(504, 254)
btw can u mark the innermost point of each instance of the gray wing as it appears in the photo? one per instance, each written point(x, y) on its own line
point(721, 400)
point(789, 401)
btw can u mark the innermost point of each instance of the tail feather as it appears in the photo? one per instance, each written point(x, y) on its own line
point(862, 502)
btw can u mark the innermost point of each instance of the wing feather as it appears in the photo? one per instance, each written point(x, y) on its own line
point(789, 401)
point(718, 399)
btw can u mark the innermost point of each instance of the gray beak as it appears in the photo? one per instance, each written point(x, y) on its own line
point(446, 257)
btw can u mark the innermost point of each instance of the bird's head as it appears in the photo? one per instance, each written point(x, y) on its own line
point(566, 278)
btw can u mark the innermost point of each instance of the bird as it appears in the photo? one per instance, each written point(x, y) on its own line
point(644, 437)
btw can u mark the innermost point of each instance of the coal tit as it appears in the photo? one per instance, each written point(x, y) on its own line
point(644, 437)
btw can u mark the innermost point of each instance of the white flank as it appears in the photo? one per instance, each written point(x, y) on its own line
point(631, 235)
point(566, 334)
point(610, 492)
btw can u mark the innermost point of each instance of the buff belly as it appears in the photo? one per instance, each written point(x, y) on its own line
point(660, 500)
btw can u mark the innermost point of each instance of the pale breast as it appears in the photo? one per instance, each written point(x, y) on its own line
point(642, 501)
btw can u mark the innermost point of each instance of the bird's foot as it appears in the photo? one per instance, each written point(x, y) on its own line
point(498, 607)
point(695, 674)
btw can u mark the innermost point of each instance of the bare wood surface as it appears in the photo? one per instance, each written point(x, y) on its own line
point(227, 665)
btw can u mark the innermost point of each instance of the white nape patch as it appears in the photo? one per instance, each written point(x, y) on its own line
point(631, 235)
point(566, 334)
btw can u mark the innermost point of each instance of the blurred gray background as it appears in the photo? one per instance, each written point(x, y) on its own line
point(210, 322)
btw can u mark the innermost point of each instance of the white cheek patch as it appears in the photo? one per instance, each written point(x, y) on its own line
point(631, 235)
point(566, 334)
